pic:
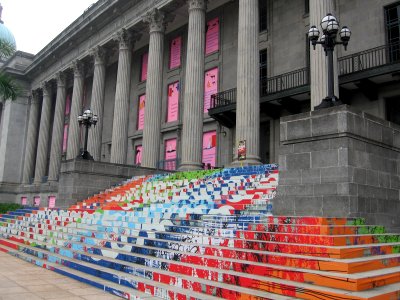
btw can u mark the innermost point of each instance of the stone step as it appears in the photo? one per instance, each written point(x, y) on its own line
point(349, 266)
point(132, 271)
point(280, 287)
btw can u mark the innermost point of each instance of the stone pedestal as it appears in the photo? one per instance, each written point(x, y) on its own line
point(340, 162)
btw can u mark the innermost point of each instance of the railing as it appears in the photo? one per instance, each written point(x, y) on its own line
point(168, 164)
point(223, 98)
point(284, 82)
point(368, 59)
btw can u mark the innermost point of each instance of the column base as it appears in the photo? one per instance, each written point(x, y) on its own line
point(328, 102)
point(190, 166)
point(249, 161)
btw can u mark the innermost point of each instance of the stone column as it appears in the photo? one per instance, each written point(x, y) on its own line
point(76, 109)
point(192, 130)
point(318, 61)
point(248, 82)
point(31, 142)
point(119, 140)
point(94, 142)
point(44, 132)
point(58, 129)
point(152, 127)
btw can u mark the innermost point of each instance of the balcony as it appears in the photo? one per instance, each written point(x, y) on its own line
point(362, 71)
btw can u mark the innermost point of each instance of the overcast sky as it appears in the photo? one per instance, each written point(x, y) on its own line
point(35, 23)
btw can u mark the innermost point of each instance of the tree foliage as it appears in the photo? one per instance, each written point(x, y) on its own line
point(8, 87)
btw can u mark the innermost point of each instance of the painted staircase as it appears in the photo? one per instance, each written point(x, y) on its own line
point(206, 235)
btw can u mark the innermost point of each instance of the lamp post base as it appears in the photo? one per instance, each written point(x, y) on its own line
point(328, 102)
point(85, 155)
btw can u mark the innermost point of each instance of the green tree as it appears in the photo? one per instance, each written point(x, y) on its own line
point(8, 88)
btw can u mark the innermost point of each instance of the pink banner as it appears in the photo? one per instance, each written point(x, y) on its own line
point(36, 201)
point(138, 154)
point(173, 102)
point(68, 104)
point(24, 200)
point(142, 104)
point(209, 149)
point(175, 53)
point(65, 138)
point(52, 201)
point(145, 59)
point(212, 36)
point(210, 87)
point(170, 154)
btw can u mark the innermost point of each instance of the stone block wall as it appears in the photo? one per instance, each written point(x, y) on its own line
point(340, 162)
point(80, 179)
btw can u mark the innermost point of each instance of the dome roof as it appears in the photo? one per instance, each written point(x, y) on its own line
point(5, 33)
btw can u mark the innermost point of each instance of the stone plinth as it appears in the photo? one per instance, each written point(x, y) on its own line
point(340, 162)
point(80, 179)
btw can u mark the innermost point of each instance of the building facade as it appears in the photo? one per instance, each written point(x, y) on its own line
point(180, 84)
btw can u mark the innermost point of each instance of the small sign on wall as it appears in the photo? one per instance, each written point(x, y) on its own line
point(52, 201)
point(242, 150)
point(36, 200)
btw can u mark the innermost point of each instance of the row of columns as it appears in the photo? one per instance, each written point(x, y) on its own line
point(247, 112)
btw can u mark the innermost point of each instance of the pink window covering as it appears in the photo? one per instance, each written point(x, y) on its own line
point(210, 87)
point(145, 59)
point(52, 201)
point(138, 154)
point(24, 200)
point(142, 104)
point(212, 36)
point(175, 53)
point(209, 148)
point(68, 104)
point(173, 102)
point(170, 154)
point(36, 200)
point(65, 138)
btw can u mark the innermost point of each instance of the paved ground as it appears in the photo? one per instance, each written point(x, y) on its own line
point(20, 280)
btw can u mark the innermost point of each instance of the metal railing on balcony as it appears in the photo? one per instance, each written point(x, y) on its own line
point(286, 81)
point(369, 59)
point(223, 98)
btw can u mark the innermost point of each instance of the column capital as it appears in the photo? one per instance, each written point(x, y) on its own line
point(124, 38)
point(46, 88)
point(78, 68)
point(197, 4)
point(156, 20)
point(99, 55)
point(61, 79)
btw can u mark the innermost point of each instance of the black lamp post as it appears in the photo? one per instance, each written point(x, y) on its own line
point(87, 119)
point(330, 29)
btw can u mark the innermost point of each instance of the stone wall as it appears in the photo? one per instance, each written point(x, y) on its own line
point(340, 162)
point(80, 179)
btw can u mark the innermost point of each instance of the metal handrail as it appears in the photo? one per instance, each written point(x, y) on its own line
point(369, 59)
point(223, 98)
point(283, 82)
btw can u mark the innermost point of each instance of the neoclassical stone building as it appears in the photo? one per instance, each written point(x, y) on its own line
point(179, 84)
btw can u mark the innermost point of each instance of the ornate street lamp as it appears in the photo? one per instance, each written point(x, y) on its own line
point(330, 29)
point(87, 119)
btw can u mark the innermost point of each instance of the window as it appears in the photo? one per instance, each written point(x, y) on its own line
point(173, 102)
point(210, 87)
point(138, 154)
point(263, 72)
point(393, 110)
point(143, 73)
point(209, 149)
point(212, 36)
point(175, 53)
point(306, 7)
point(263, 12)
point(392, 14)
point(142, 104)
point(170, 155)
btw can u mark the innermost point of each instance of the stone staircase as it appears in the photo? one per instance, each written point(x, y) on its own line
point(195, 235)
